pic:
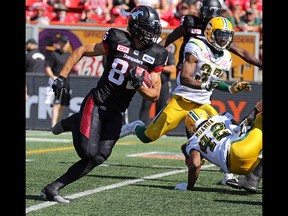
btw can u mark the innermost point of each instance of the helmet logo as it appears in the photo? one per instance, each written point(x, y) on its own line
point(136, 14)
point(155, 22)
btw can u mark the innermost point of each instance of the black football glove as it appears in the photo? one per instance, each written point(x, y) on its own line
point(248, 121)
point(137, 76)
point(59, 85)
point(251, 117)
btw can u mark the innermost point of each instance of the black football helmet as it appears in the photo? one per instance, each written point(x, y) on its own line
point(210, 9)
point(144, 23)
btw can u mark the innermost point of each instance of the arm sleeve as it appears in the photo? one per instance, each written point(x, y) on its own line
point(223, 86)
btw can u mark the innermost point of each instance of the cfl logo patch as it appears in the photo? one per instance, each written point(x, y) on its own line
point(123, 49)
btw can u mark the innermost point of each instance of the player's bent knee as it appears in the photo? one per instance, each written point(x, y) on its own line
point(98, 159)
point(140, 133)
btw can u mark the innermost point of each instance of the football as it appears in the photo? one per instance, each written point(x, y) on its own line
point(147, 82)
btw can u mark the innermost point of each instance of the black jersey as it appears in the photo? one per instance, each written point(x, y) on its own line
point(114, 90)
point(57, 60)
point(193, 27)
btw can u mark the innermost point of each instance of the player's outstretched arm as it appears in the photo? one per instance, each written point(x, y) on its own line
point(194, 168)
point(93, 49)
point(245, 55)
point(235, 87)
point(173, 36)
point(249, 119)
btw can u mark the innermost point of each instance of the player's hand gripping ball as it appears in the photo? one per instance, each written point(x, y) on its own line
point(140, 77)
point(147, 82)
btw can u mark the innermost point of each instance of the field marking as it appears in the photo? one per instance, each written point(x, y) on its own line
point(48, 150)
point(31, 139)
point(159, 155)
point(61, 140)
point(108, 187)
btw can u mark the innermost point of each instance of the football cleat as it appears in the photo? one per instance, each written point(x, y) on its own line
point(130, 128)
point(249, 184)
point(51, 193)
point(58, 129)
point(231, 178)
point(233, 182)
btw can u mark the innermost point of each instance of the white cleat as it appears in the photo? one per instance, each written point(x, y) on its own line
point(130, 128)
point(230, 178)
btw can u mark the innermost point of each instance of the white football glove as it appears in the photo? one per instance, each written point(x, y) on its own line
point(211, 83)
point(181, 186)
point(244, 127)
point(240, 86)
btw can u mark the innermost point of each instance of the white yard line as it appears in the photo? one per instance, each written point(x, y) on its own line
point(48, 140)
point(108, 187)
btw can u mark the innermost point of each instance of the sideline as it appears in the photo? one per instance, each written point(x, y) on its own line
point(108, 187)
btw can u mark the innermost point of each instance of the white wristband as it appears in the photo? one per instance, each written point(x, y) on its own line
point(203, 86)
point(229, 88)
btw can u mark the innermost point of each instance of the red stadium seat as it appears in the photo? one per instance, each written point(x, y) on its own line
point(50, 14)
point(74, 16)
point(76, 4)
point(31, 2)
point(98, 18)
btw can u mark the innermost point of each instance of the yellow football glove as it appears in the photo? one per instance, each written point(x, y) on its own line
point(240, 86)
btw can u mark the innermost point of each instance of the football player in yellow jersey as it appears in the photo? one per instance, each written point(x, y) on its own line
point(204, 63)
point(235, 148)
point(203, 66)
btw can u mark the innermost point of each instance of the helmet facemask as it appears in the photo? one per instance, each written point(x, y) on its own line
point(148, 34)
point(221, 39)
point(219, 33)
point(210, 9)
point(210, 12)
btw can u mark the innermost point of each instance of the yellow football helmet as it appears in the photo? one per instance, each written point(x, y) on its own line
point(194, 118)
point(219, 33)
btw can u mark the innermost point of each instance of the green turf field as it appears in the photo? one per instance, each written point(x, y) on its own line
point(137, 180)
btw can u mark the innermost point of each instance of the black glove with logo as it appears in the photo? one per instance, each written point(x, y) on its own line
point(137, 76)
point(59, 85)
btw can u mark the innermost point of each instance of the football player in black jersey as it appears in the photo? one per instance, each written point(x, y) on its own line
point(193, 26)
point(96, 128)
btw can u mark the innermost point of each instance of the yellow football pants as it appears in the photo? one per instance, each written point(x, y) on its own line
point(243, 157)
point(172, 115)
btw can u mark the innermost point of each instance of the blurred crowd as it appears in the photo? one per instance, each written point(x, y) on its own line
point(245, 15)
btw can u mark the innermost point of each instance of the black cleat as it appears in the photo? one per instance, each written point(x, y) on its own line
point(51, 193)
point(58, 129)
